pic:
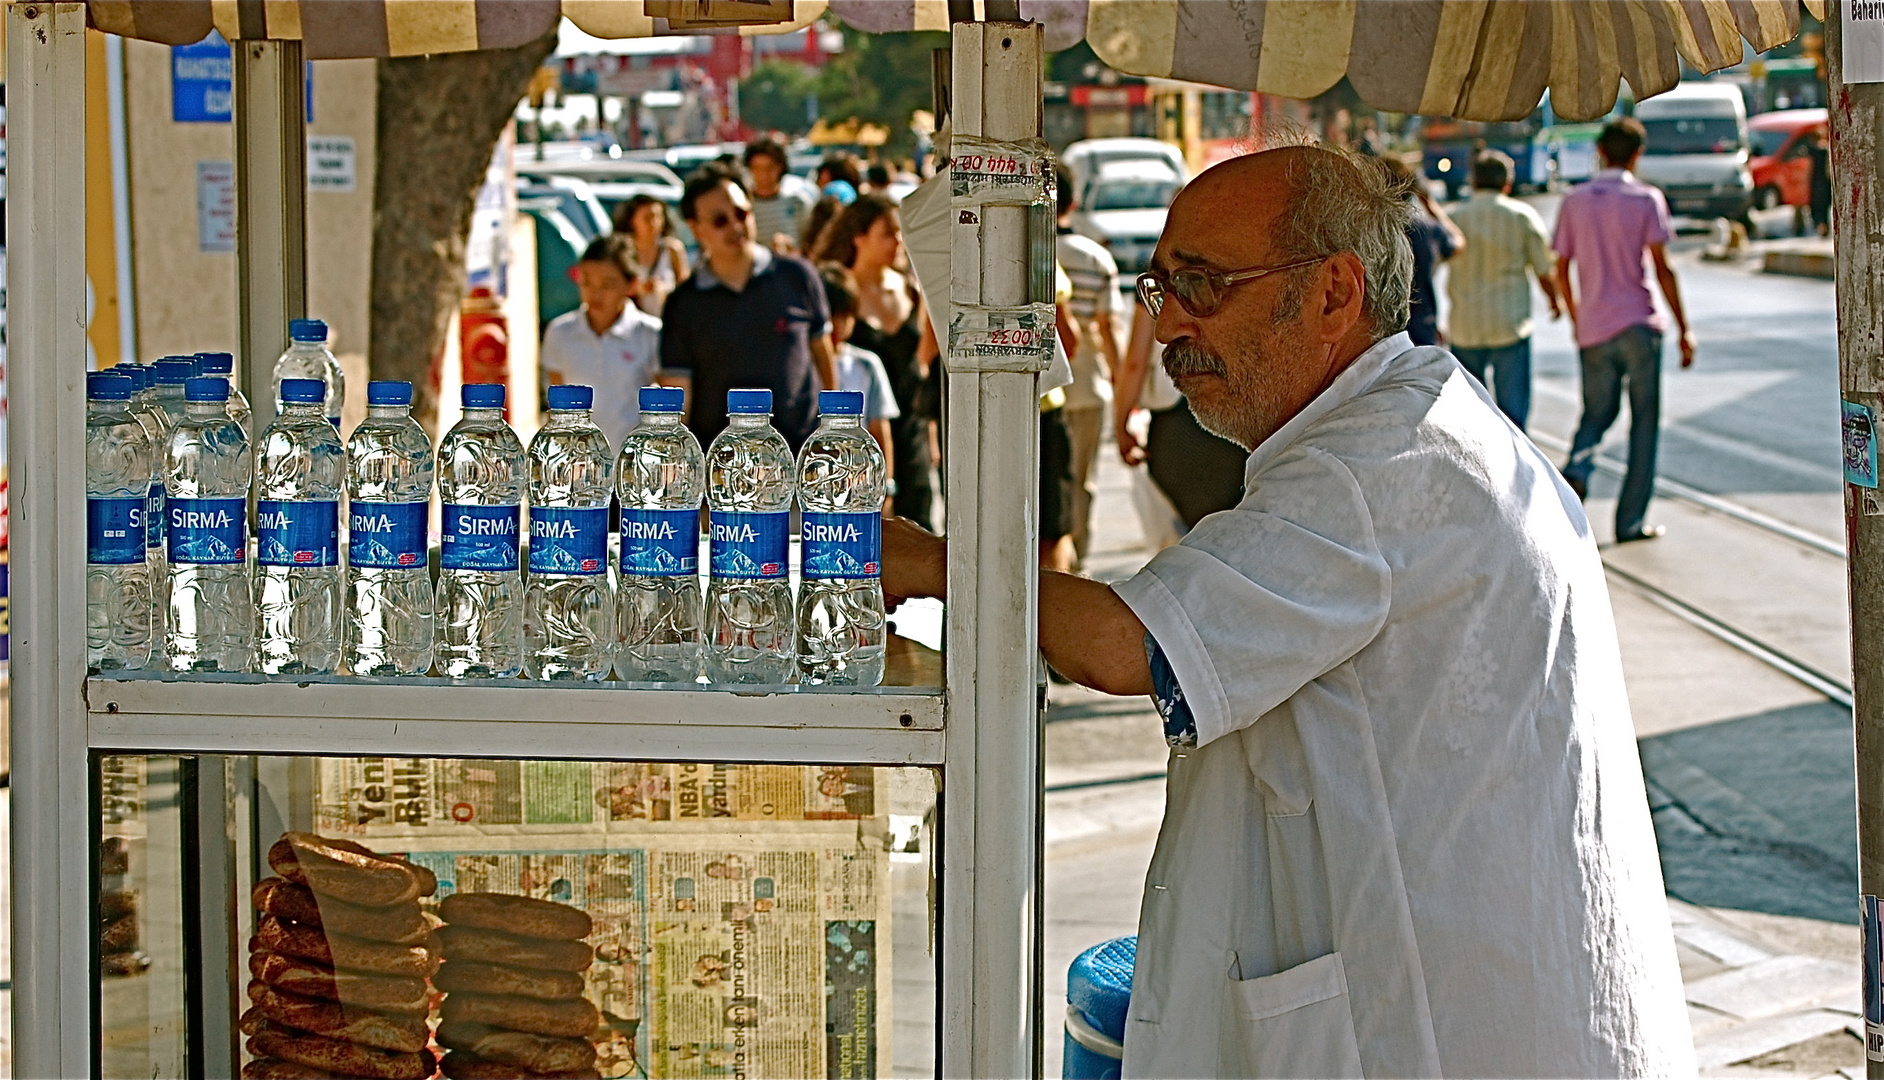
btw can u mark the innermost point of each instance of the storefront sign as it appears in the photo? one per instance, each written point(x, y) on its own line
point(330, 163)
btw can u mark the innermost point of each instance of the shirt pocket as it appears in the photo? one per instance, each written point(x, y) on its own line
point(1295, 1023)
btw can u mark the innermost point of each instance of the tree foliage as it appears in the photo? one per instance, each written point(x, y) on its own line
point(877, 78)
point(778, 96)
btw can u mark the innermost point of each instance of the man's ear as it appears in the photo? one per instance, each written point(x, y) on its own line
point(1344, 289)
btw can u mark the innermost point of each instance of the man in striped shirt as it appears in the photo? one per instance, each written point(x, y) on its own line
point(1096, 306)
point(1491, 296)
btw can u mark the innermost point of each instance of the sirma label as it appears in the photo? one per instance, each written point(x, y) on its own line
point(297, 533)
point(385, 535)
point(114, 530)
point(569, 540)
point(660, 543)
point(477, 537)
point(842, 545)
point(154, 517)
point(749, 546)
point(207, 532)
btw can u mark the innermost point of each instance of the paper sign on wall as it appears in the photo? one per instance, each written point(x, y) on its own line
point(1864, 41)
point(330, 163)
point(215, 206)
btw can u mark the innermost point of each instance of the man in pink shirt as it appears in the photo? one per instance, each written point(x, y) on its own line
point(1604, 229)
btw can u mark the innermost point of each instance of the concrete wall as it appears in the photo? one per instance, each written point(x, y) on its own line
point(185, 297)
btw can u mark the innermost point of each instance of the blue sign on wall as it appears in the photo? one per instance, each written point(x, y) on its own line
point(202, 82)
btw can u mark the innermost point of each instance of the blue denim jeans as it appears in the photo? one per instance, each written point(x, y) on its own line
point(1633, 357)
point(1506, 371)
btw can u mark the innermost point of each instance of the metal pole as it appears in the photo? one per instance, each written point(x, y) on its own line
point(991, 801)
point(271, 208)
point(54, 926)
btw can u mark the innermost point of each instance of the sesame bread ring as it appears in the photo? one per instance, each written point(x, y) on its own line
point(387, 1031)
point(524, 916)
point(460, 1065)
point(537, 1053)
point(469, 976)
point(341, 951)
point(570, 1018)
point(401, 924)
point(492, 947)
point(348, 871)
point(341, 1058)
point(386, 993)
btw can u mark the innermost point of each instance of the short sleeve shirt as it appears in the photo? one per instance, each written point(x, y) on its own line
point(1095, 279)
point(758, 338)
point(617, 363)
point(861, 371)
point(1605, 228)
point(1491, 293)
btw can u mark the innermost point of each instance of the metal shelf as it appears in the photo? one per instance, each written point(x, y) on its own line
point(513, 718)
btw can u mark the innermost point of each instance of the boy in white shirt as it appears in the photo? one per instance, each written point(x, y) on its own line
point(859, 370)
point(607, 343)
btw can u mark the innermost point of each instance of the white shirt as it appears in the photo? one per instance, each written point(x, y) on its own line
point(1095, 277)
point(617, 362)
point(1412, 839)
point(861, 371)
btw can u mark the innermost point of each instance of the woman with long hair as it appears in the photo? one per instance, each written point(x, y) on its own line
point(660, 262)
point(866, 237)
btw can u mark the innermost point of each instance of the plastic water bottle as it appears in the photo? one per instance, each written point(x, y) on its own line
point(749, 592)
point(223, 364)
point(210, 621)
point(841, 486)
point(482, 472)
point(660, 478)
point(309, 358)
point(168, 376)
point(389, 577)
point(157, 426)
point(568, 607)
point(117, 496)
point(299, 467)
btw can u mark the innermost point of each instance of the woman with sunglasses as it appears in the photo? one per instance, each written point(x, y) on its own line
point(659, 260)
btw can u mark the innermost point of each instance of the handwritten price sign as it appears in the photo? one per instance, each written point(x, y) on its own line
point(1001, 339)
point(985, 172)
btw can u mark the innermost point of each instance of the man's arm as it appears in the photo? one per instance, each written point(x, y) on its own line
point(1564, 288)
point(825, 357)
point(1128, 384)
point(1671, 292)
point(1087, 632)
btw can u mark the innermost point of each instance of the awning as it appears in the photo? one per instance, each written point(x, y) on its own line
point(1476, 59)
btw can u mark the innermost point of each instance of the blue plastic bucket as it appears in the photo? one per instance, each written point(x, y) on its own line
point(1098, 991)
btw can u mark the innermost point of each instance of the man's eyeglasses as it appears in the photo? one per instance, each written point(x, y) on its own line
point(1200, 291)
point(723, 219)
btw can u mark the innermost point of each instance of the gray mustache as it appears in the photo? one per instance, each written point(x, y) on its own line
point(1186, 357)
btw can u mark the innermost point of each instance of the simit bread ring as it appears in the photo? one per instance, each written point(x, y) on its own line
point(402, 924)
point(276, 1069)
point(469, 976)
point(386, 993)
point(537, 1053)
point(341, 1058)
point(492, 947)
point(460, 1065)
point(347, 871)
point(573, 1018)
point(524, 916)
point(340, 951)
point(387, 1031)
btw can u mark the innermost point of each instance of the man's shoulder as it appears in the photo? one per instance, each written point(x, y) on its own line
point(1081, 247)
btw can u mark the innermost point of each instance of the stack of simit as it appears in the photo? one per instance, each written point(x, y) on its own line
point(513, 981)
point(340, 958)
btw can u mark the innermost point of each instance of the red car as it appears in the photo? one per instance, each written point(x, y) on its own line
point(1780, 164)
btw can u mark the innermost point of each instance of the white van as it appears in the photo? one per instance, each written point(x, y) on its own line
point(1697, 149)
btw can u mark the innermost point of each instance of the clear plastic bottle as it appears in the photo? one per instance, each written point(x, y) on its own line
point(568, 607)
point(223, 364)
point(389, 577)
point(168, 376)
point(117, 496)
point(660, 478)
point(841, 485)
point(482, 473)
point(308, 357)
point(157, 427)
point(299, 469)
point(209, 624)
point(749, 591)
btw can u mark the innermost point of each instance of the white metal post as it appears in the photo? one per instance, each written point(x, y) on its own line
point(271, 208)
point(53, 922)
point(991, 796)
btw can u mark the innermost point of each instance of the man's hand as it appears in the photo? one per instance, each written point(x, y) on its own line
point(1131, 451)
point(915, 562)
point(1687, 348)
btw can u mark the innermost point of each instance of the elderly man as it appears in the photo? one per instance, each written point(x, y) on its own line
point(1406, 833)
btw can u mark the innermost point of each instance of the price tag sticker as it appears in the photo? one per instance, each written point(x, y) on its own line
point(986, 172)
point(1001, 339)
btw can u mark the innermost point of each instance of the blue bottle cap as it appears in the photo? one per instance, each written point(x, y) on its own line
point(567, 396)
point(137, 373)
point(174, 370)
point(303, 391)
point(217, 363)
point(749, 401)
point(662, 399)
point(210, 388)
point(108, 386)
point(307, 330)
point(388, 392)
point(487, 395)
point(840, 403)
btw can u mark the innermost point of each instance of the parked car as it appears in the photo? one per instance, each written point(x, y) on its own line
point(576, 198)
point(1123, 207)
point(1084, 159)
point(1781, 164)
point(1697, 150)
point(559, 246)
point(608, 170)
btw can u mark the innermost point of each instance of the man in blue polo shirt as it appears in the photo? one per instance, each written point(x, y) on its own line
point(746, 319)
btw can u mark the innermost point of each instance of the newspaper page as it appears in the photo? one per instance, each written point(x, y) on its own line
point(741, 911)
